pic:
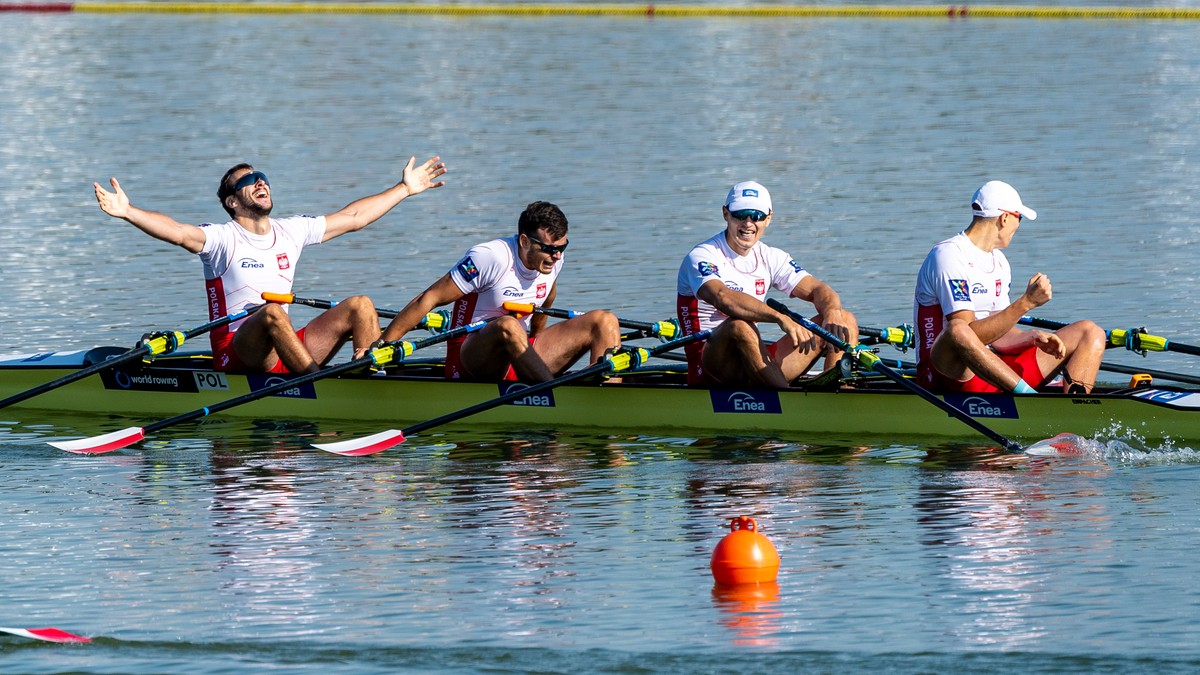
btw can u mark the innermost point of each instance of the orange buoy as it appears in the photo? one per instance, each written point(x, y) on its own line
point(744, 556)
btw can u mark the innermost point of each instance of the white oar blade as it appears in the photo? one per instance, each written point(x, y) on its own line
point(47, 634)
point(103, 443)
point(1062, 444)
point(367, 445)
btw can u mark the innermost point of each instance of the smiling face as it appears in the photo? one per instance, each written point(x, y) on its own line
point(743, 229)
point(251, 193)
point(541, 251)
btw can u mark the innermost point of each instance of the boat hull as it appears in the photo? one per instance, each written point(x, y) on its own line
point(173, 386)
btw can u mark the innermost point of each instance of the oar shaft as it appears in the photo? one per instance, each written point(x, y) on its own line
point(869, 359)
point(665, 329)
point(318, 303)
point(1136, 340)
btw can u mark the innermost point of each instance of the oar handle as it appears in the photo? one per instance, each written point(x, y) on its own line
point(319, 303)
point(873, 362)
point(388, 352)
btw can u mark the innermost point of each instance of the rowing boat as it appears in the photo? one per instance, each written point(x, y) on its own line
point(651, 398)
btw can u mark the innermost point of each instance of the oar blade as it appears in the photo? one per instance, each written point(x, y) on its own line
point(1062, 444)
point(103, 443)
point(367, 445)
point(46, 634)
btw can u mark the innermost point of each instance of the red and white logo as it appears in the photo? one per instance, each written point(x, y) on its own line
point(541, 291)
point(997, 288)
point(760, 286)
point(282, 259)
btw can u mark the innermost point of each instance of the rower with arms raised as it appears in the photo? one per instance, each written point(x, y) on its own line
point(254, 253)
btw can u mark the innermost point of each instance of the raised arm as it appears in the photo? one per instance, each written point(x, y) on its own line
point(157, 225)
point(360, 213)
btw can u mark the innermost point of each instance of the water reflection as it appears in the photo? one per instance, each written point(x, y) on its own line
point(750, 612)
point(980, 529)
point(263, 531)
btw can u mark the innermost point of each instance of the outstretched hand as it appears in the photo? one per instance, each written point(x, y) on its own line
point(115, 204)
point(422, 178)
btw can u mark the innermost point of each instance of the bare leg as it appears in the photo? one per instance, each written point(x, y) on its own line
point(353, 317)
point(1085, 344)
point(958, 354)
point(267, 337)
point(488, 352)
point(735, 355)
point(561, 344)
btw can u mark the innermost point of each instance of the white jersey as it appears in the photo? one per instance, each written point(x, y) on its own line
point(240, 265)
point(761, 268)
point(957, 275)
point(491, 274)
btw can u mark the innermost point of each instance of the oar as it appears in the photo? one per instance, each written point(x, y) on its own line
point(1133, 339)
point(624, 359)
point(433, 321)
point(388, 352)
point(48, 634)
point(873, 362)
point(663, 329)
point(156, 344)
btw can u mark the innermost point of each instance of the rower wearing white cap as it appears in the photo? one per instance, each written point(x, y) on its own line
point(722, 285)
point(967, 334)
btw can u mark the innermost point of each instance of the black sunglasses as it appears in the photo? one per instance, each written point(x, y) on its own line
point(250, 179)
point(547, 248)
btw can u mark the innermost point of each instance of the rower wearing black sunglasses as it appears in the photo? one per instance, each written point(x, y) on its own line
point(723, 283)
point(254, 253)
point(521, 268)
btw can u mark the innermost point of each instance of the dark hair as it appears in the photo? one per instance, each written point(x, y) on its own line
point(225, 188)
point(542, 216)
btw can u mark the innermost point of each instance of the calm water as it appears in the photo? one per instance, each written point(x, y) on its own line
point(231, 545)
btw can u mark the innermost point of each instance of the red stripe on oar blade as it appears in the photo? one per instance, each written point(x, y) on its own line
point(47, 634)
point(1062, 444)
point(103, 443)
point(367, 445)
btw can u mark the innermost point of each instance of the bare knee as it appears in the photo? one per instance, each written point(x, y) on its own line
point(359, 304)
point(603, 326)
point(274, 316)
point(1094, 338)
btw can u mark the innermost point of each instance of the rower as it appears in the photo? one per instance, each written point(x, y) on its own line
point(521, 268)
point(252, 254)
point(722, 284)
point(968, 339)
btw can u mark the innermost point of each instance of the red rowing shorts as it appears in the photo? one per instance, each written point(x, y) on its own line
point(455, 370)
point(225, 358)
point(1025, 364)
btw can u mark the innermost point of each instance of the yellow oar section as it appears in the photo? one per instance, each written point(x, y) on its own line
point(629, 10)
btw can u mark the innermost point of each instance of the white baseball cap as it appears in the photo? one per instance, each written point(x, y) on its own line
point(995, 197)
point(748, 195)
